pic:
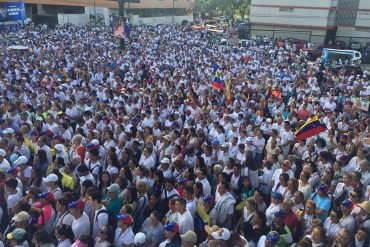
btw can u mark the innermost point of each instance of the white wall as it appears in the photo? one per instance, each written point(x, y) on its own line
point(76, 19)
point(135, 20)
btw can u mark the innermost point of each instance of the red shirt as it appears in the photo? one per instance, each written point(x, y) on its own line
point(291, 220)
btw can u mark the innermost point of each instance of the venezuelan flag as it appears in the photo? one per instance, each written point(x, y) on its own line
point(228, 92)
point(310, 128)
point(217, 84)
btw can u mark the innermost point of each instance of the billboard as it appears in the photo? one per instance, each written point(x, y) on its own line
point(12, 12)
point(118, 27)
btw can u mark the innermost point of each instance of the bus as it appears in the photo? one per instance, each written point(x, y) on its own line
point(336, 54)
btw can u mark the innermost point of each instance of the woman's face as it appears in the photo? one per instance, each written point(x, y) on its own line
point(316, 236)
point(346, 180)
point(196, 190)
point(105, 178)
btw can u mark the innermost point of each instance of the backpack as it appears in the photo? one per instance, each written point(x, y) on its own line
point(93, 168)
point(112, 221)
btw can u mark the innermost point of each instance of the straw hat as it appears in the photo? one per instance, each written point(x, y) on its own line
point(365, 205)
point(209, 229)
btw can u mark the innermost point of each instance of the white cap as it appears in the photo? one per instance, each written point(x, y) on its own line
point(21, 160)
point(2, 153)
point(236, 125)
point(51, 178)
point(139, 238)
point(221, 234)
point(269, 120)
point(39, 119)
point(59, 147)
point(225, 145)
point(165, 161)
point(95, 142)
point(8, 131)
point(249, 139)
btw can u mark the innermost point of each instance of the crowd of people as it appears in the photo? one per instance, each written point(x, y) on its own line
point(108, 147)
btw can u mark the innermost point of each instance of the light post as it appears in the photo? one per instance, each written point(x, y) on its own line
point(95, 18)
point(173, 11)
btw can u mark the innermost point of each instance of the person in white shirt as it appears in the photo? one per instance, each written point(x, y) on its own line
point(201, 177)
point(190, 202)
point(287, 137)
point(185, 219)
point(4, 163)
point(101, 213)
point(224, 205)
point(124, 236)
point(81, 222)
point(275, 206)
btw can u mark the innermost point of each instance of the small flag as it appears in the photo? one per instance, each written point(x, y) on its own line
point(217, 84)
point(310, 128)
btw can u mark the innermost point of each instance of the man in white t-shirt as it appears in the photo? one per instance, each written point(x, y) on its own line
point(101, 213)
point(81, 222)
point(13, 194)
point(4, 163)
point(190, 202)
point(185, 219)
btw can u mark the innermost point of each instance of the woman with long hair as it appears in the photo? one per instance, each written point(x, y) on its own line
point(36, 179)
point(104, 183)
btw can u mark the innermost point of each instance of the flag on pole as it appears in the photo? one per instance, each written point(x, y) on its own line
point(228, 92)
point(311, 128)
point(217, 84)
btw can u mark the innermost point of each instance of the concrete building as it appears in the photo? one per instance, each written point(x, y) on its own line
point(315, 20)
point(82, 12)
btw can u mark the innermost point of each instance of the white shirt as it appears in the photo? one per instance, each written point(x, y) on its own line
point(191, 206)
point(100, 220)
point(81, 226)
point(185, 221)
point(270, 213)
point(4, 165)
point(127, 237)
point(206, 186)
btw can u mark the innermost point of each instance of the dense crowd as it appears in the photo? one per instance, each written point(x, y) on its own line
point(103, 147)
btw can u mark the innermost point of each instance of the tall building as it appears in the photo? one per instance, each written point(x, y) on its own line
point(81, 11)
point(315, 20)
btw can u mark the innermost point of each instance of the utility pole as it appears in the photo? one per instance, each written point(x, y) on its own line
point(173, 11)
point(95, 19)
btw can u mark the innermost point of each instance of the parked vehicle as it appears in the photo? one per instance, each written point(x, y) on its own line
point(334, 54)
point(355, 45)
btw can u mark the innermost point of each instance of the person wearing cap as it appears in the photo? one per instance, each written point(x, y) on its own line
point(322, 200)
point(222, 236)
point(52, 184)
point(140, 239)
point(18, 237)
point(81, 222)
point(124, 236)
point(164, 167)
point(347, 221)
point(279, 226)
point(111, 201)
point(171, 233)
point(269, 240)
point(189, 239)
point(4, 163)
point(363, 218)
point(275, 206)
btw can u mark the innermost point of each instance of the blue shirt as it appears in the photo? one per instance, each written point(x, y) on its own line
point(321, 203)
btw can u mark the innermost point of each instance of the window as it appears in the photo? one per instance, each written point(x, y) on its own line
point(286, 9)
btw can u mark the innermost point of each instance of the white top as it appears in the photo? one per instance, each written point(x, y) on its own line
point(206, 186)
point(191, 206)
point(126, 237)
point(4, 165)
point(81, 225)
point(99, 221)
point(185, 221)
point(65, 243)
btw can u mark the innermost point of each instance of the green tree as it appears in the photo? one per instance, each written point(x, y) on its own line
point(242, 7)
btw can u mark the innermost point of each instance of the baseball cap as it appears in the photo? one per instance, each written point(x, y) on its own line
point(347, 203)
point(12, 171)
point(172, 227)
point(280, 214)
point(216, 142)
point(21, 160)
point(125, 218)
point(273, 237)
point(8, 131)
point(269, 120)
point(51, 178)
point(165, 161)
point(249, 139)
point(277, 195)
point(189, 236)
point(17, 234)
point(236, 125)
point(39, 119)
point(139, 238)
point(77, 204)
point(59, 147)
point(114, 188)
point(321, 187)
point(209, 198)
point(21, 216)
point(94, 142)
point(225, 145)
point(46, 195)
point(2, 153)
point(221, 234)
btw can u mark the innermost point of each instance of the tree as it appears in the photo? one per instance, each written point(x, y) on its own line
point(242, 7)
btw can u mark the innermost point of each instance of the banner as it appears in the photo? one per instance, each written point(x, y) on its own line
point(360, 103)
point(12, 12)
point(118, 27)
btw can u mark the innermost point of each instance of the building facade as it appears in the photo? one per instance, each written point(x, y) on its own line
point(318, 21)
point(81, 12)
